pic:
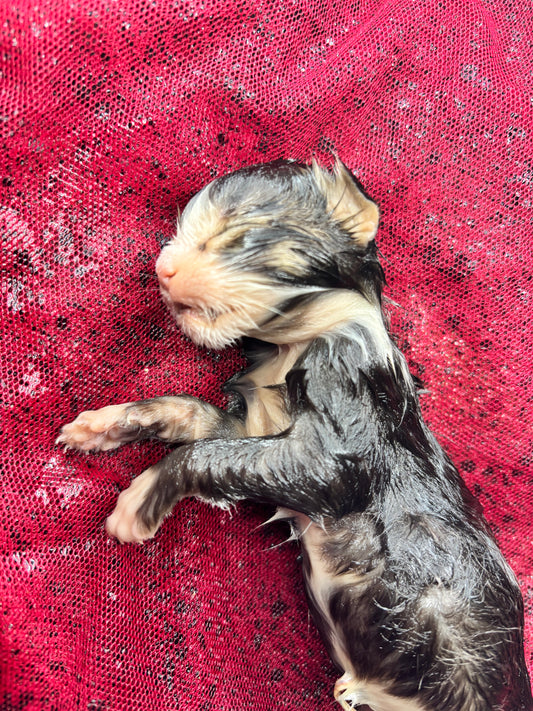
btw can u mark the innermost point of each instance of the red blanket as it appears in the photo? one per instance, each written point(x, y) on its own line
point(114, 112)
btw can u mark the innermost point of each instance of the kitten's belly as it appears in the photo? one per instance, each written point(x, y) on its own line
point(321, 581)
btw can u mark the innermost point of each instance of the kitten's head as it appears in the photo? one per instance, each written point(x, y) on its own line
point(253, 246)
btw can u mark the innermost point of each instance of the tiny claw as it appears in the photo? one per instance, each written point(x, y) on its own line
point(59, 442)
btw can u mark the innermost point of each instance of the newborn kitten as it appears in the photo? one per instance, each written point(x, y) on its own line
point(415, 603)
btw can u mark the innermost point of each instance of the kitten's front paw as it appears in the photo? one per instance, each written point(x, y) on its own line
point(100, 430)
point(169, 419)
point(124, 523)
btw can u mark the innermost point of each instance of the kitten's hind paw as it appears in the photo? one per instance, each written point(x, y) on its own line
point(348, 693)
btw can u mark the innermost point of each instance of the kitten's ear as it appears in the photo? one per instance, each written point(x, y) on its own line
point(346, 203)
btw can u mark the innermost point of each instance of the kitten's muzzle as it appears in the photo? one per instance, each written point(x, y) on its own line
point(179, 288)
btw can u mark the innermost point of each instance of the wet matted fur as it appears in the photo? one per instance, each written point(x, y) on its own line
point(415, 602)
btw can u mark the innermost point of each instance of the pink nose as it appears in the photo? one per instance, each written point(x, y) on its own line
point(165, 270)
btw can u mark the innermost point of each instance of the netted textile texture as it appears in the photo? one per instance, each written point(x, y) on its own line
point(114, 113)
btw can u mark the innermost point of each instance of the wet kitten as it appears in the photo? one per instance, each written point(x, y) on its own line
point(414, 601)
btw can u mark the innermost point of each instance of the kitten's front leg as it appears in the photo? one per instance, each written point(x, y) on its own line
point(182, 418)
point(187, 471)
point(123, 524)
point(287, 470)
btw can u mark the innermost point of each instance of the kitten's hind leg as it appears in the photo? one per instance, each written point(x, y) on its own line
point(178, 419)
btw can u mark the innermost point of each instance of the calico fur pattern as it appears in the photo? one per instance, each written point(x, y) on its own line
point(414, 601)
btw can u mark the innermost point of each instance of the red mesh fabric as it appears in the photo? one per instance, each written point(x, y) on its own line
point(115, 111)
